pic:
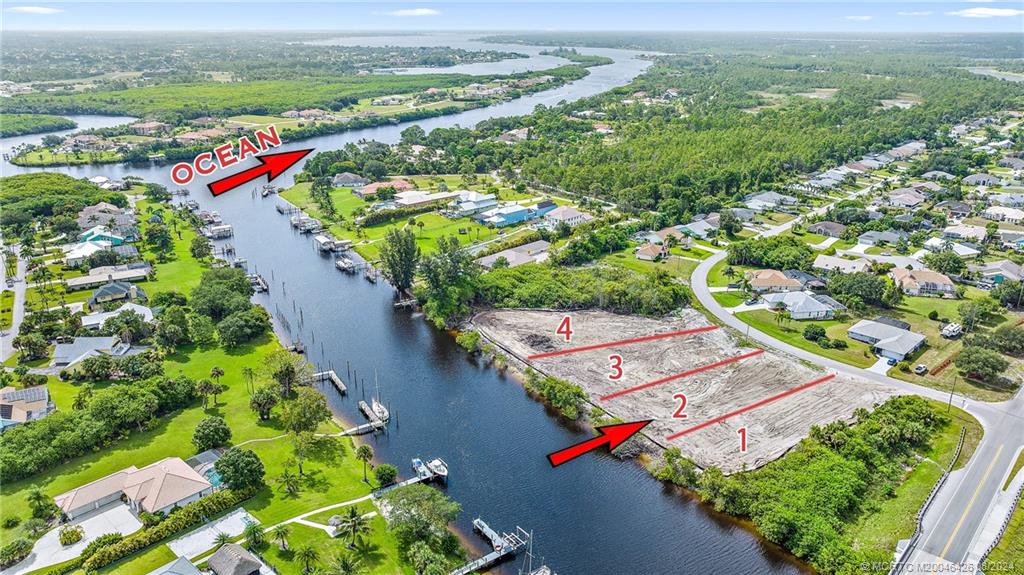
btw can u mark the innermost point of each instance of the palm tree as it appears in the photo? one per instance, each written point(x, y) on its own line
point(205, 388)
point(280, 535)
point(254, 538)
point(354, 525)
point(289, 481)
point(37, 500)
point(347, 564)
point(82, 398)
point(216, 373)
point(364, 453)
point(307, 555)
point(217, 389)
point(249, 374)
point(221, 538)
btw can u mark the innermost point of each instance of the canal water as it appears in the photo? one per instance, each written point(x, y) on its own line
point(596, 515)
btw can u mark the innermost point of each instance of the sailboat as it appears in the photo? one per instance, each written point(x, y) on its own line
point(375, 404)
point(527, 568)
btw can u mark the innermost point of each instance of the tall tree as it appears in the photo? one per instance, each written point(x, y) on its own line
point(399, 257)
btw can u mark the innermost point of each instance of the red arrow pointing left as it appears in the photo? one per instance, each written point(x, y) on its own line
point(273, 165)
point(611, 436)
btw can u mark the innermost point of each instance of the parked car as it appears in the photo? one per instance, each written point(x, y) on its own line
point(753, 300)
point(921, 369)
point(892, 361)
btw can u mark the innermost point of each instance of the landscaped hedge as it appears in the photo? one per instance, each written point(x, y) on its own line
point(189, 515)
point(90, 549)
point(385, 216)
point(14, 552)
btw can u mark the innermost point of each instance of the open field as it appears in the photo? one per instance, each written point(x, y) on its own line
point(772, 429)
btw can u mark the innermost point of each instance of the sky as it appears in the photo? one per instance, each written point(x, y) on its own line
point(537, 15)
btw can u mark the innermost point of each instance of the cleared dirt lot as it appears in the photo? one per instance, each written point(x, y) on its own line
point(771, 430)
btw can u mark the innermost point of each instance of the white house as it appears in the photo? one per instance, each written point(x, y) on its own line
point(887, 340)
point(1003, 214)
point(832, 263)
point(568, 215)
point(804, 305)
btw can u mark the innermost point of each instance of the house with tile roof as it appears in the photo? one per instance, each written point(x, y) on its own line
point(923, 283)
point(155, 488)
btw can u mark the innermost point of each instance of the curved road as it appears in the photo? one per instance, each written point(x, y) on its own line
point(954, 521)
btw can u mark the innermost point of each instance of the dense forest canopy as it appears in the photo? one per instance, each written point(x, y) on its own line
point(28, 197)
point(195, 56)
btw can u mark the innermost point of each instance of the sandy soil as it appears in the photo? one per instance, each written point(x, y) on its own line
point(771, 430)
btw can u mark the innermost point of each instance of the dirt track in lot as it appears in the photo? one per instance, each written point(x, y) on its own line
point(771, 430)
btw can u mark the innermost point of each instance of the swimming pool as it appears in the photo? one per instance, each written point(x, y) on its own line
point(213, 477)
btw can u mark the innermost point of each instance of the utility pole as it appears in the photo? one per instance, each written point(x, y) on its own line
point(949, 407)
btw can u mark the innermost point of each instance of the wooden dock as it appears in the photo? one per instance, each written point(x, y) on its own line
point(332, 377)
point(368, 412)
point(504, 545)
point(259, 284)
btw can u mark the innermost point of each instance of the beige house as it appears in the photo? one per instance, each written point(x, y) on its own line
point(762, 281)
point(158, 487)
point(923, 282)
point(651, 252)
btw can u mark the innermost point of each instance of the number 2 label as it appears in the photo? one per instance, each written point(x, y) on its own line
point(681, 398)
point(565, 328)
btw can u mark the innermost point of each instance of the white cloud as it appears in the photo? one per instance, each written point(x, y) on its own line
point(979, 1)
point(916, 13)
point(859, 18)
point(986, 13)
point(34, 10)
point(405, 12)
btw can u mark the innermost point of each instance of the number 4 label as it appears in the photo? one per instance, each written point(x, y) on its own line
point(565, 328)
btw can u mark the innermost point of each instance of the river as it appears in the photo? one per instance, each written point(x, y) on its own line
point(596, 515)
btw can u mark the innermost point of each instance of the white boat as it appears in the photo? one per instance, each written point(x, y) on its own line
point(420, 469)
point(345, 265)
point(438, 467)
point(380, 410)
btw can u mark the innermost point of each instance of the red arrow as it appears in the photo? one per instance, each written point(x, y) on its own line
point(610, 435)
point(273, 165)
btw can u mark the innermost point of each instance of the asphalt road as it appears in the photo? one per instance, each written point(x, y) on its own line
point(949, 531)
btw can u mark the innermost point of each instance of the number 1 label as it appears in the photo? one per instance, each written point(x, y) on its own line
point(743, 439)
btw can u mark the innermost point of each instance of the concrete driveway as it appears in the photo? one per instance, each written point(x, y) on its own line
point(859, 249)
point(881, 367)
point(115, 518)
point(204, 538)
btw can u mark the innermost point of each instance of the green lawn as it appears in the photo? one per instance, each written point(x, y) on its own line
point(856, 354)
point(44, 157)
point(717, 276)
point(691, 252)
point(914, 310)
point(894, 518)
point(379, 555)
point(367, 240)
point(6, 308)
point(677, 267)
point(729, 298)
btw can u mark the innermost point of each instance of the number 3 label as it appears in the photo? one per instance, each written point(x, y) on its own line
point(616, 373)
